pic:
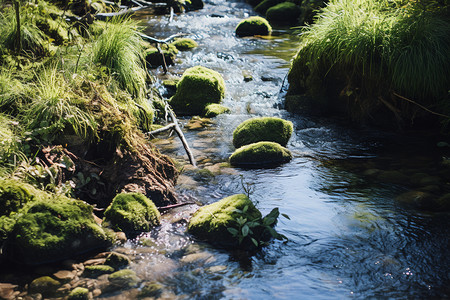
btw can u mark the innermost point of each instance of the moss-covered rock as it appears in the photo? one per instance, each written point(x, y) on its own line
point(154, 59)
point(97, 270)
point(198, 87)
point(184, 44)
point(284, 13)
point(15, 194)
point(260, 154)
point(131, 212)
point(79, 293)
point(214, 109)
point(151, 289)
point(264, 5)
point(270, 129)
point(55, 229)
point(44, 285)
point(211, 222)
point(124, 278)
point(253, 26)
point(117, 260)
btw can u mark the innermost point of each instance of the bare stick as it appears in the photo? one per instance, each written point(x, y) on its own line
point(165, 41)
point(163, 208)
point(182, 138)
point(162, 129)
point(421, 106)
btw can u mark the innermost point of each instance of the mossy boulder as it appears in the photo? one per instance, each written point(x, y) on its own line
point(253, 26)
point(44, 285)
point(198, 87)
point(132, 212)
point(264, 5)
point(151, 289)
point(284, 13)
point(97, 270)
point(270, 129)
point(261, 154)
point(211, 222)
point(55, 229)
point(117, 260)
point(154, 58)
point(184, 44)
point(79, 293)
point(214, 109)
point(124, 278)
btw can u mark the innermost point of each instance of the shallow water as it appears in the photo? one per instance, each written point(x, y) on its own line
point(348, 236)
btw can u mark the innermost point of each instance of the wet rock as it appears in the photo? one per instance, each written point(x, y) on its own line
point(268, 129)
point(198, 87)
point(197, 123)
point(79, 293)
point(261, 154)
point(94, 261)
point(7, 290)
point(64, 275)
point(117, 260)
point(284, 13)
point(132, 212)
point(184, 44)
point(217, 269)
point(253, 26)
point(197, 258)
point(96, 293)
point(124, 278)
point(151, 289)
point(97, 270)
point(247, 76)
point(171, 87)
point(264, 5)
point(64, 289)
point(44, 285)
point(155, 59)
point(121, 237)
point(213, 110)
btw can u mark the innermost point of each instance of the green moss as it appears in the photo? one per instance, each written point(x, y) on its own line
point(97, 270)
point(8, 139)
point(184, 44)
point(264, 5)
point(151, 289)
point(55, 229)
point(131, 212)
point(260, 154)
point(253, 26)
point(117, 260)
point(15, 194)
point(211, 222)
point(198, 87)
point(214, 109)
point(44, 285)
point(154, 58)
point(284, 13)
point(268, 129)
point(79, 293)
point(124, 278)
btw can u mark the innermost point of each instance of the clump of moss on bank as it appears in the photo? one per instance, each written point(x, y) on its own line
point(376, 61)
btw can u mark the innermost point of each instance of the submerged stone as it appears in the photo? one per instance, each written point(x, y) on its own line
point(261, 154)
point(253, 26)
point(284, 13)
point(211, 222)
point(97, 270)
point(117, 260)
point(131, 212)
point(268, 129)
point(198, 87)
point(213, 110)
point(124, 278)
point(151, 289)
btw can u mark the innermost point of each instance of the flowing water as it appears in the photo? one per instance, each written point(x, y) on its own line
point(348, 236)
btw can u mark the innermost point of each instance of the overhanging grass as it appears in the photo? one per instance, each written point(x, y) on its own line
point(384, 46)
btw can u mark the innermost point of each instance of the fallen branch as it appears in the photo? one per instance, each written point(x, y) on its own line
point(165, 41)
point(162, 129)
point(421, 106)
point(164, 208)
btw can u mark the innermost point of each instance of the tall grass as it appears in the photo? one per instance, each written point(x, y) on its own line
point(8, 140)
point(12, 93)
point(119, 48)
point(55, 109)
point(384, 44)
point(32, 38)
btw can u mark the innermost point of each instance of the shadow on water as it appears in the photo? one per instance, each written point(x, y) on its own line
point(348, 235)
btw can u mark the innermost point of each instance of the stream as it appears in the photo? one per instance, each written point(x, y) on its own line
point(348, 236)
